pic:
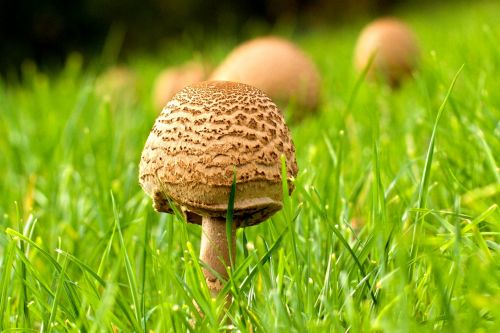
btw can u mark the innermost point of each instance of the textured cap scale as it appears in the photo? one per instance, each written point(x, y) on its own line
point(202, 134)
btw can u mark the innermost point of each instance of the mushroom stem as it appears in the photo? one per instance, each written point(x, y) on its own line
point(215, 251)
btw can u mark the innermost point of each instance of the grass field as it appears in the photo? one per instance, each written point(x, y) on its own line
point(394, 224)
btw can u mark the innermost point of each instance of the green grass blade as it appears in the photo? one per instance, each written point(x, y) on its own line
point(57, 296)
point(6, 275)
point(490, 158)
point(229, 218)
point(144, 273)
point(265, 258)
point(85, 268)
point(132, 283)
point(356, 261)
point(424, 183)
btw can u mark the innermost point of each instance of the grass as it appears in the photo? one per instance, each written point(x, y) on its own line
point(393, 226)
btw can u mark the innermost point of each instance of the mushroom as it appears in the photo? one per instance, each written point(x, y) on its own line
point(204, 134)
point(393, 47)
point(173, 79)
point(117, 82)
point(276, 66)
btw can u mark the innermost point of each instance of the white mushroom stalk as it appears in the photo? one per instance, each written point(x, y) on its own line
point(215, 251)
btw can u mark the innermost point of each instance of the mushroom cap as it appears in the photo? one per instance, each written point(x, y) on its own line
point(173, 79)
point(206, 132)
point(276, 66)
point(393, 46)
point(118, 82)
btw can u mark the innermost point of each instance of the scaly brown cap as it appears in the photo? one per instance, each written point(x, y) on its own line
point(206, 131)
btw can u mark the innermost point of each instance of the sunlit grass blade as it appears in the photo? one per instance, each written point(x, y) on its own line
point(15, 234)
point(338, 173)
point(24, 315)
point(423, 190)
point(265, 258)
point(286, 211)
point(132, 283)
point(197, 279)
point(106, 252)
point(356, 260)
point(495, 170)
point(55, 301)
point(144, 272)
point(424, 183)
point(101, 282)
point(483, 217)
point(5, 281)
point(70, 288)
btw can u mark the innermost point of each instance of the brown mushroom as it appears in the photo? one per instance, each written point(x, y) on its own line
point(173, 79)
point(118, 83)
point(276, 66)
point(393, 48)
point(204, 133)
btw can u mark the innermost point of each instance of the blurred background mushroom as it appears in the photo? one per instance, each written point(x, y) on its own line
point(277, 67)
point(172, 79)
point(118, 83)
point(389, 48)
